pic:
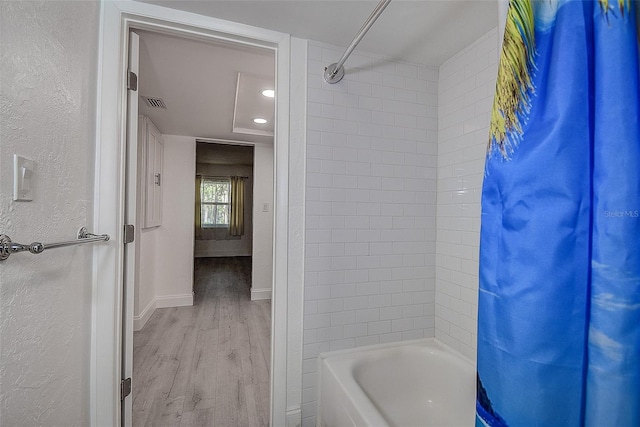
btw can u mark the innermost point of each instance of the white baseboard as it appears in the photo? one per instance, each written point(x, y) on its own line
point(174, 300)
point(145, 315)
point(160, 302)
point(259, 294)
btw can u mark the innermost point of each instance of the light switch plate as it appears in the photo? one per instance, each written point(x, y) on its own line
point(23, 178)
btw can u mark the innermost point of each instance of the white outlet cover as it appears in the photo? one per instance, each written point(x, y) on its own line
point(23, 178)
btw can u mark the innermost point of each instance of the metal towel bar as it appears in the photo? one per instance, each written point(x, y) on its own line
point(7, 247)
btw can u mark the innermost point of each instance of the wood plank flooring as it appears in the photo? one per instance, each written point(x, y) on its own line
point(206, 365)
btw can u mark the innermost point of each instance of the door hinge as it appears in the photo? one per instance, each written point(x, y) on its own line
point(129, 233)
point(132, 81)
point(125, 388)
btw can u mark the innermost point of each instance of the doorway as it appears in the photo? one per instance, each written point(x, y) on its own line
point(213, 333)
point(108, 285)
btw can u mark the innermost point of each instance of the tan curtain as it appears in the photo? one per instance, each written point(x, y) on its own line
point(236, 220)
point(198, 210)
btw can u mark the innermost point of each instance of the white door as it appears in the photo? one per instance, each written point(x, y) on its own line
point(130, 218)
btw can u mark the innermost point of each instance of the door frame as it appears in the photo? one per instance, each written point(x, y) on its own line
point(117, 18)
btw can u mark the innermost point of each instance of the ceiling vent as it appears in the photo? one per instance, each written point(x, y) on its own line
point(154, 102)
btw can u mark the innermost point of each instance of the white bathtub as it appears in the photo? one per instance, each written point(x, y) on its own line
point(406, 384)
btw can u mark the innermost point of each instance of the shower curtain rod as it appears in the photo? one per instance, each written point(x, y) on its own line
point(335, 72)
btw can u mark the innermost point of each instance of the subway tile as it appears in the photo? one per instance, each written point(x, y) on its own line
point(405, 121)
point(401, 325)
point(391, 337)
point(390, 313)
point(319, 124)
point(355, 330)
point(405, 95)
point(344, 236)
point(380, 327)
point(319, 96)
point(330, 305)
point(380, 301)
point(368, 340)
point(393, 81)
point(332, 112)
point(344, 181)
point(358, 168)
point(356, 248)
point(359, 88)
point(383, 92)
point(367, 288)
point(407, 70)
point(313, 321)
point(368, 209)
point(415, 84)
point(370, 103)
point(343, 317)
point(345, 127)
point(356, 276)
point(356, 303)
point(369, 76)
point(343, 290)
point(317, 264)
point(343, 263)
point(370, 129)
point(414, 334)
point(346, 99)
point(368, 315)
point(357, 222)
point(382, 196)
point(332, 139)
point(342, 344)
point(359, 142)
point(359, 115)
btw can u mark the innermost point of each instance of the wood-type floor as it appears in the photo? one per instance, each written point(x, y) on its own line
point(206, 365)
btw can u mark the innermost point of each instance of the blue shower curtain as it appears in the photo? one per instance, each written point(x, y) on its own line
point(559, 301)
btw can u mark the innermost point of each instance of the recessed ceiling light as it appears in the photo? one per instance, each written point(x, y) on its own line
point(269, 93)
point(259, 120)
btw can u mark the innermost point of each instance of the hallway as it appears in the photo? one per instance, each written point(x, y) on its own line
point(206, 365)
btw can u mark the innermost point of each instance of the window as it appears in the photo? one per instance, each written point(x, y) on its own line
point(215, 202)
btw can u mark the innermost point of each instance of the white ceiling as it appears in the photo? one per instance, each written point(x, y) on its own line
point(197, 80)
point(427, 32)
point(251, 104)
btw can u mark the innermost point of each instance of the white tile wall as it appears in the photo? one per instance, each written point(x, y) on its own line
point(465, 96)
point(370, 208)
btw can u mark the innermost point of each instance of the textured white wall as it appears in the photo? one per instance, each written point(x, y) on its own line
point(166, 252)
point(465, 96)
point(370, 208)
point(262, 261)
point(174, 250)
point(48, 63)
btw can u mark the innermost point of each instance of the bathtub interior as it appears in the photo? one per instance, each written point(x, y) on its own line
point(437, 388)
point(405, 384)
